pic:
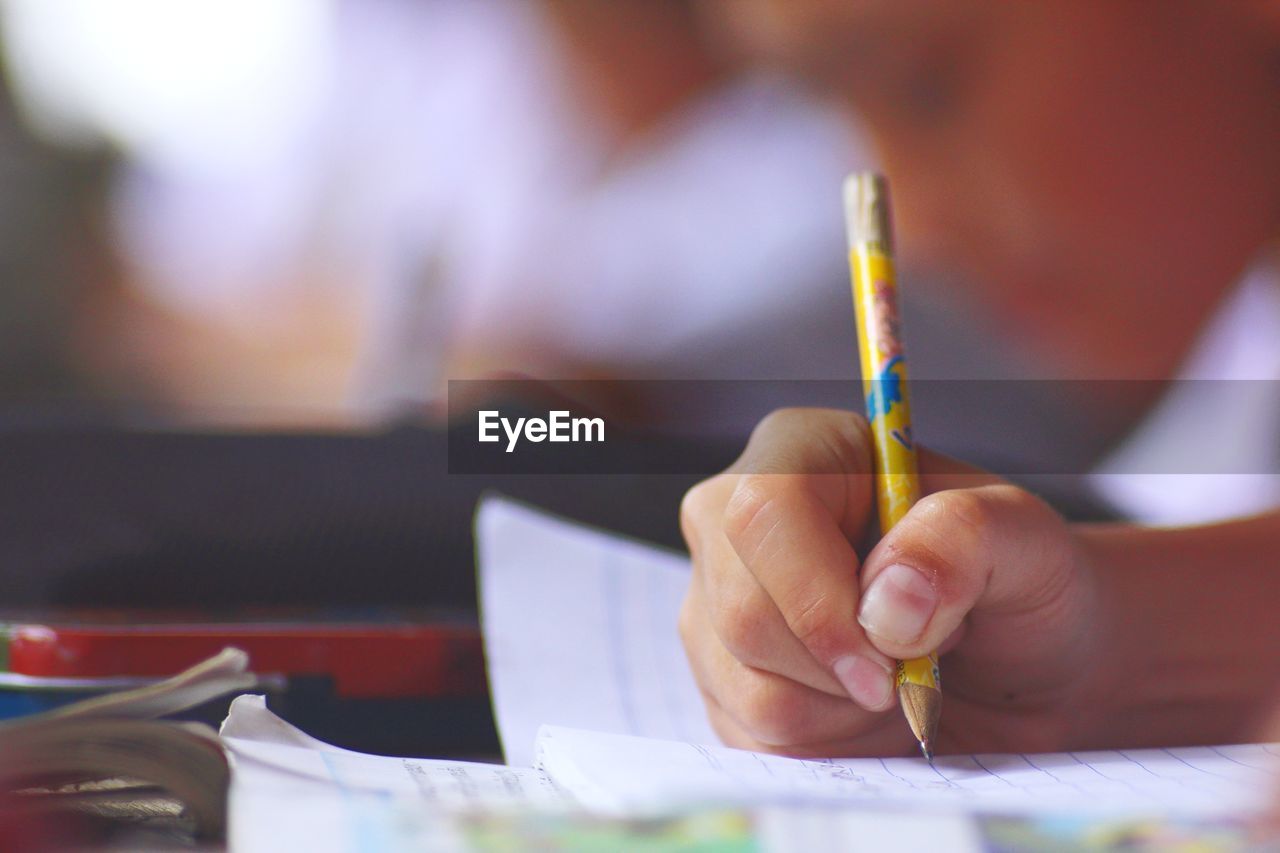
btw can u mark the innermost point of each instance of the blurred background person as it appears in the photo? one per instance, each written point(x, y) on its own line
point(1114, 284)
point(328, 208)
point(338, 205)
point(324, 209)
point(51, 247)
point(308, 214)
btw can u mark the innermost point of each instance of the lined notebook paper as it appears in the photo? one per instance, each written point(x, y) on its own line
point(292, 792)
point(620, 774)
point(271, 753)
point(580, 632)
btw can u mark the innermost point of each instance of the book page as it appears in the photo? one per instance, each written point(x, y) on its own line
point(580, 630)
point(620, 774)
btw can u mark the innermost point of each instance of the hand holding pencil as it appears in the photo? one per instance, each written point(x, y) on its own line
point(884, 382)
point(795, 645)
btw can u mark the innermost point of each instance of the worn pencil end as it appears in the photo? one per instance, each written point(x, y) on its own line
point(866, 210)
point(926, 750)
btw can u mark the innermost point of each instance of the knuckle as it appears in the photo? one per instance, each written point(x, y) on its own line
point(969, 509)
point(1017, 498)
point(741, 624)
point(1054, 596)
point(768, 710)
point(811, 619)
point(698, 500)
point(938, 538)
point(968, 537)
point(1029, 505)
point(778, 421)
point(751, 506)
point(696, 509)
point(846, 439)
point(814, 441)
point(685, 623)
point(1056, 583)
point(981, 512)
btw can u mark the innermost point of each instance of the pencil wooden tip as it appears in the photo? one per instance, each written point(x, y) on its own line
point(922, 707)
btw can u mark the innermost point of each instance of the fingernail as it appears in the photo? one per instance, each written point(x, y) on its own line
point(898, 605)
point(867, 682)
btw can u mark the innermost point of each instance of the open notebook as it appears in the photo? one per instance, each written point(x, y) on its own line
point(587, 671)
point(598, 713)
point(321, 798)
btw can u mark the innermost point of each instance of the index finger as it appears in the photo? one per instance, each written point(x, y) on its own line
point(804, 490)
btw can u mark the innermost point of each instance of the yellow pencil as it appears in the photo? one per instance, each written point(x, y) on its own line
point(884, 382)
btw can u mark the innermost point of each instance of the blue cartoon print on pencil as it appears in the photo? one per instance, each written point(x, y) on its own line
point(886, 389)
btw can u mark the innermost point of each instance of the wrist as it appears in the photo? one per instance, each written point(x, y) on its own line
point(1116, 651)
point(1186, 637)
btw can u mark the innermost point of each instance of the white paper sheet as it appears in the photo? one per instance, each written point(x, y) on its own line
point(580, 631)
point(620, 774)
point(288, 785)
point(270, 752)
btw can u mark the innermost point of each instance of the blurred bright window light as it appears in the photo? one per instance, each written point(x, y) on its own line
point(193, 84)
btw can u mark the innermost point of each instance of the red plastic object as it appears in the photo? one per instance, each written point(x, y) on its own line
point(373, 659)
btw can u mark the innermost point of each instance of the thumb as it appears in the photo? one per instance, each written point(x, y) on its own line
point(995, 555)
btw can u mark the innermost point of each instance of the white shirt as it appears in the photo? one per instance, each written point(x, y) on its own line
point(1210, 450)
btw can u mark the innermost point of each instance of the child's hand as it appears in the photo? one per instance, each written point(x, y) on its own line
point(793, 645)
